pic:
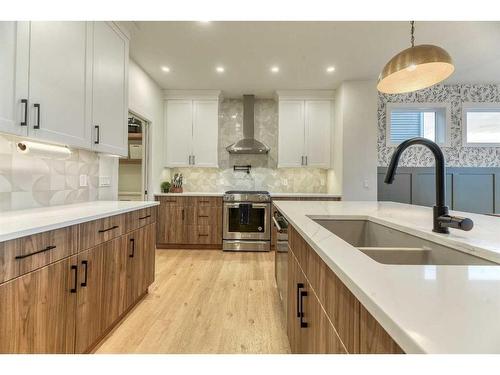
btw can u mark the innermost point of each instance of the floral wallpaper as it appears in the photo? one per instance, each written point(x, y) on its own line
point(264, 174)
point(456, 155)
point(28, 180)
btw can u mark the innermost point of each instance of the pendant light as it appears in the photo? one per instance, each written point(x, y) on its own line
point(415, 68)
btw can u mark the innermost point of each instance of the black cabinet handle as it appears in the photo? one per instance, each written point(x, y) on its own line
point(144, 217)
point(303, 294)
point(98, 134)
point(25, 122)
point(74, 268)
point(37, 106)
point(108, 229)
point(36, 252)
point(86, 264)
point(299, 309)
point(132, 244)
point(183, 214)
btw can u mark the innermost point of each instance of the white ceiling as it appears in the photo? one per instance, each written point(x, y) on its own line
point(302, 50)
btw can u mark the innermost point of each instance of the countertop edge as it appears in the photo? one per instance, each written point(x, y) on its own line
point(66, 223)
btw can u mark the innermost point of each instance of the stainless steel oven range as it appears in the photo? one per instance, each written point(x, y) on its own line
point(246, 221)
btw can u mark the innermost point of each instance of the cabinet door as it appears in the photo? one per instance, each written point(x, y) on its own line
point(101, 294)
point(205, 133)
point(37, 310)
point(14, 66)
point(110, 89)
point(318, 124)
point(291, 133)
point(179, 133)
point(170, 222)
point(140, 263)
point(57, 82)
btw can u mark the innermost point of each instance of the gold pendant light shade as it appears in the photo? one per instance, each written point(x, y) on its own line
point(415, 68)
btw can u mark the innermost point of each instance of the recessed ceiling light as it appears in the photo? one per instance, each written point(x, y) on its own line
point(220, 69)
point(166, 69)
point(330, 69)
point(275, 69)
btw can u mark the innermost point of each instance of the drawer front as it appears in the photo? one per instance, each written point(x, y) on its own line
point(140, 218)
point(206, 201)
point(23, 255)
point(98, 231)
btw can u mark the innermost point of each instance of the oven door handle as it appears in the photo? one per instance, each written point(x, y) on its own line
point(254, 205)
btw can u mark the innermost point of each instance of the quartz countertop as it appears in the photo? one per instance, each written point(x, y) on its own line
point(20, 223)
point(425, 308)
point(275, 195)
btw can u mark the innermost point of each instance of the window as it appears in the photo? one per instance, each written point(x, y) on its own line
point(481, 124)
point(405, 121)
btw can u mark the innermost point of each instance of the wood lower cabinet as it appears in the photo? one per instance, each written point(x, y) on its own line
point(308, 327)
point(38, 310)
point(189, 222)
point(65, 299)
point(336, 321)
point(101, 292)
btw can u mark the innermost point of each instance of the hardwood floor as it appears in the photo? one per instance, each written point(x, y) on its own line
point(205, 301)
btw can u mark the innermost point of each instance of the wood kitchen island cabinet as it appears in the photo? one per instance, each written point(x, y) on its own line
point(62, 291)
point(323, 315)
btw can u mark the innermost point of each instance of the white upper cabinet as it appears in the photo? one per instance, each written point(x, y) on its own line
point(109, 89)
point(57, 82)
point(305, 128)
point(14, 67)
point(205, 133)
point(192, 131)
point(179, 132)
point(318, 127)
point(291, 133)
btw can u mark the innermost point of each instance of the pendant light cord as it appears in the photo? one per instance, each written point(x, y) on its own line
point(412, 23)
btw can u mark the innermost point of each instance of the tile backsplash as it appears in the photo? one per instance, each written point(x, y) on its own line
point(264, 174)
point(28, 180)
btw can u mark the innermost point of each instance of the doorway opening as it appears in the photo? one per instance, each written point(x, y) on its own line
point(133, 174)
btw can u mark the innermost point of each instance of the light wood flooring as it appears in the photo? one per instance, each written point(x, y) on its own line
point(205, 301)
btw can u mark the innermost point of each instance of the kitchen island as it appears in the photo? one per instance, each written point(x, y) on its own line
point(423, 308)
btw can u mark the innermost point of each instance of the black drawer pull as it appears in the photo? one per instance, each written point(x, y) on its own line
point(36, 252)
point(74, 268)
point(202, 215)
point(299, 287)
point(303, 294)
point(108, 229)
point(202, 235)
point(25, 121)
point(86, 264)
point(132, 243)
point(204, 201)
point(144, 217)
point(37, 106)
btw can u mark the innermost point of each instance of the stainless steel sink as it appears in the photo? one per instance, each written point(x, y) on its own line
point(390, 246)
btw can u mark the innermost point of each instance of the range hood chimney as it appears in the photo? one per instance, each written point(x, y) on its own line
point(248, 145)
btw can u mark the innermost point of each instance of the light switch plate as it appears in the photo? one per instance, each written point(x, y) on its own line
point(104, 181)
point(84, 180)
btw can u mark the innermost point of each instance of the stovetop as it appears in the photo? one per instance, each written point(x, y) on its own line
point(247, 192)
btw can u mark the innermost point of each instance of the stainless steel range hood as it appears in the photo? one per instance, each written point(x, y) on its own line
point(248, 145)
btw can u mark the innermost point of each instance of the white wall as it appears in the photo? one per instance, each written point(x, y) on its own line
point(146, 100)
point(354, 173)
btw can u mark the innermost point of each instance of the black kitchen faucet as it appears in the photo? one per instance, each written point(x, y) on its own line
point(442, 220)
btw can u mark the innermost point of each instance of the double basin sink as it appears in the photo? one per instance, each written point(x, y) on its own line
point(390, 246)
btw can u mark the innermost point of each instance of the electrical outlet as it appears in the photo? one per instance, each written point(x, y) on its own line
point(284, 181)
point(104, 181)
point(365, 183)
point(84, 180)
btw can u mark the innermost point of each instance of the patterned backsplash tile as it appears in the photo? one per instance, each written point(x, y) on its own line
point(264, 174)
point(28, 180)
point(456, 155)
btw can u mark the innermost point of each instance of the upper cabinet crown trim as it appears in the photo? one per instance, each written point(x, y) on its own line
point(305, 94)
point(191, 94)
